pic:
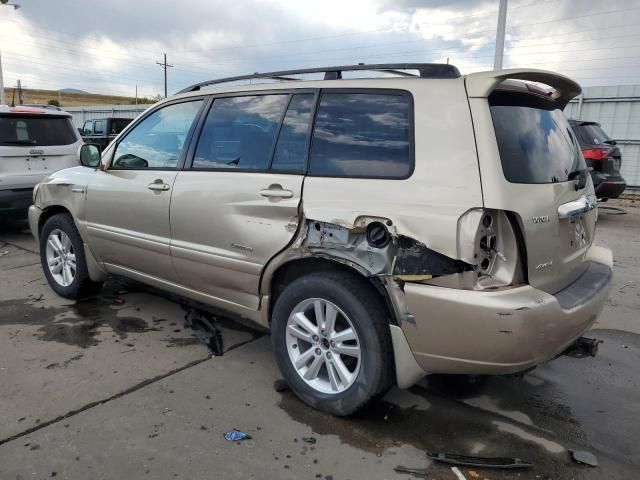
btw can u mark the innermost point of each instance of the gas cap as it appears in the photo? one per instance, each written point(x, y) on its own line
point(377, 235)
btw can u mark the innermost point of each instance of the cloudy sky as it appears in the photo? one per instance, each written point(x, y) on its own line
point(110, 47)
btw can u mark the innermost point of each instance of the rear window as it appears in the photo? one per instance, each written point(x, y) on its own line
point(36, 131)
point(362, 135)
point(535, 140)
point(591, 134)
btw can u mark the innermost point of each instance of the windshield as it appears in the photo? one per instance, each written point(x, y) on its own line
point(535, 141)
point(18, 130)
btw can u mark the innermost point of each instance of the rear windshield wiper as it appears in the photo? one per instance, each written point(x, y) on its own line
point(609, 142)
point(18, 142)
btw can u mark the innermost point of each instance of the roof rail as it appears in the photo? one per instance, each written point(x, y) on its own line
point(426, 70)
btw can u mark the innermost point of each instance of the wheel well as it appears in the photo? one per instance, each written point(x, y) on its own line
point(290, 271)
point(50, 212)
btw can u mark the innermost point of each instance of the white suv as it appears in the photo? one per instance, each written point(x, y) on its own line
point(34, 142)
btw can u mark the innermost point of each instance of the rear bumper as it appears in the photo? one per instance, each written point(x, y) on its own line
point(500, 332)
point(15, 201)
point(610, 188)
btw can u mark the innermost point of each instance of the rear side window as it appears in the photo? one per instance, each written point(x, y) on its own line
point(119, 124)
point(36, 131)
point(158, 140)
point(535, 140)
point(239, 132)
point(291, 150)
point(362, 135)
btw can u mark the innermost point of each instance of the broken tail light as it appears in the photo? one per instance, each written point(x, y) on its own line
point(487, 240)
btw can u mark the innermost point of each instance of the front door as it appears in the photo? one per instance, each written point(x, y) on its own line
point(128, 203)
point(236, 206)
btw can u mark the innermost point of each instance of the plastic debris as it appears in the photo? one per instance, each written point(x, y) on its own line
point(456, 471)
point(309, 440)
point(584, 457)
point(485, 462)
point(236, 436)
point(418, 472)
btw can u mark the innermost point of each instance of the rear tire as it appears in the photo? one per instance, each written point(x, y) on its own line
point(63, 260)
point(355, 366)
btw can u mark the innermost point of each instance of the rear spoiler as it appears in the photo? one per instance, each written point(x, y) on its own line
point(481, 84)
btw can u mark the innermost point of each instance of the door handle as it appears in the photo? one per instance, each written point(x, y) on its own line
point(276, 193)
point(158, 186)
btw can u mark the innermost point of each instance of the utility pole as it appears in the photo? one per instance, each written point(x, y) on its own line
point(20, 96)
point(136, 95)
point(502, 23)
point(2, 99)
point(165, 65)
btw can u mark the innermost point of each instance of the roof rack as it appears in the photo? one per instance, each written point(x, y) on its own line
point(426, 70)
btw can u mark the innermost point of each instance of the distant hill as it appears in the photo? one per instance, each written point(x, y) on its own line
point(71, 97)
point(73, 90)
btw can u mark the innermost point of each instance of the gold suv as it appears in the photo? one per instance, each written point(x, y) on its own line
point(383, 228)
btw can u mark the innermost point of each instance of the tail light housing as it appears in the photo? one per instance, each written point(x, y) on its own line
point(487, 241)
point(595, 153)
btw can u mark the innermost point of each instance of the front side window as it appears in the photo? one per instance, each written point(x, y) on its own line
point(158, 140)
point(239, 132)
point(291, 150)
point(43, 130)
point(87, 128)
point(362, 135)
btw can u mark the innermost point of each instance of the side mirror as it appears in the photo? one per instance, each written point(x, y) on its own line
point(90, 155)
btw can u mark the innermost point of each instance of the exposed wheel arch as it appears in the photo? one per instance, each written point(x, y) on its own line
point(295, 268)
point(49, 212)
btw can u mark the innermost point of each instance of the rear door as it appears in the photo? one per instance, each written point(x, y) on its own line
point(236, 205)
point(531, 164)
point(33, 146)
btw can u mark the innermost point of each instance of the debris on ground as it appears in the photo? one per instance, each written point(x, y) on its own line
point(485, 462)
point(456, 471)
point(205, 330)
point(119, 301)
point(6, 252)
point(309, 440)
point(417, 472)
point(584, 457)
point(236, 436)
point(280, 385)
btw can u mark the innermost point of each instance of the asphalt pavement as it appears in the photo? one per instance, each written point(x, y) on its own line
point(118, 387)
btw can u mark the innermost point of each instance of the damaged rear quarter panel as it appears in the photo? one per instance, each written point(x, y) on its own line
point(445, 182)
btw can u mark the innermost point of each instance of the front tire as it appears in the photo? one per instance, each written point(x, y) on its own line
point(330, 333)
point(63, 260)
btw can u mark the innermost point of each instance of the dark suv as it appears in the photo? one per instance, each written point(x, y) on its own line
point(103, 130)
point(601, 154)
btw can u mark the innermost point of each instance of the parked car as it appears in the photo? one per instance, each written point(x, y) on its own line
point(102, 131)
point(603, 156)
point(382, 228)
point(34, 142)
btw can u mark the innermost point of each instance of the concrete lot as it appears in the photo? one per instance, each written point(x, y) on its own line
point(115, 387)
